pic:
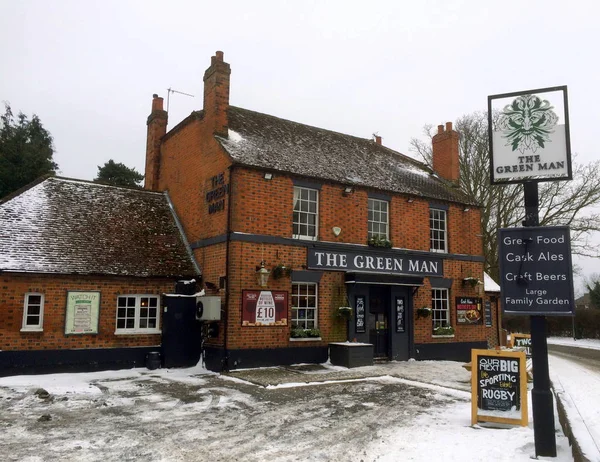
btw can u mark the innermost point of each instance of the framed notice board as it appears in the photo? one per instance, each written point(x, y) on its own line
point(521, 340)
point(498, 387)
point(360, 326)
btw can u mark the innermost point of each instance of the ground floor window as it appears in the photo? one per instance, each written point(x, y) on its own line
point(440, 308)
point(137, 314)
point(304, 306)
point(33, 312)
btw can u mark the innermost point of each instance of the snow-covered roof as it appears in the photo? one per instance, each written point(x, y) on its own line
point(69, 226)
point(268, 142)
point(489, 285)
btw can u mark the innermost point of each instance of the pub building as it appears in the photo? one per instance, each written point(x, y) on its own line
point(312, 237)
point(304, 237)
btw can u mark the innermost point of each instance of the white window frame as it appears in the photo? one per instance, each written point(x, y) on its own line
point(302, 300)
point(374, 214)
point(438, 223)
point(39, 327)
point(440, 308)
point(305, 213)
point(136, 329)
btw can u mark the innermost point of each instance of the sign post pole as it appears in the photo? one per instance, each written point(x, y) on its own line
point(541, 396)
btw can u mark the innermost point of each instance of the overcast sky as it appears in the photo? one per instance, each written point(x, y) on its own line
point(88, 69)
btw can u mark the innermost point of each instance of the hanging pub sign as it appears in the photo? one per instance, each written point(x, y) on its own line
point(498, 387)
point(264, 308)
point(83, 310)
point(535, 271)
point(468, 310)
point(360, 326)
point(400, 315)
point(529, 136)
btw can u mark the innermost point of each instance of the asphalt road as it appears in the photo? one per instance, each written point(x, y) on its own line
point(584, 357)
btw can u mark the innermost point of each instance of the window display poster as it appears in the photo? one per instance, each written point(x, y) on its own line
point(83, 311)
point(264, 308)
point(360, 314)
point(469, 310)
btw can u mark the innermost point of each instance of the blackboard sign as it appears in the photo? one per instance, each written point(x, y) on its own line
point(487, 313)
point(523, 341)
point(360, 315)
point(400, 317)
point(536, 276)
point(499, 386)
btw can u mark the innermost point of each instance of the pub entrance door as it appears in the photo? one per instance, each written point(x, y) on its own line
point(377, 320)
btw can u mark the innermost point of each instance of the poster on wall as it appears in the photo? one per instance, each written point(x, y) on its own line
point(469, 310)
point(400, 318)
point(264, 308)
point(360, 326)
point(83, 310)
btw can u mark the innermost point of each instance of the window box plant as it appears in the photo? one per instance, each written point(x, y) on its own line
point(379, 241)
point(298, 332)
point(446, 331)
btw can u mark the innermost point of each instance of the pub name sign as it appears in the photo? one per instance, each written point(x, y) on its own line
point(535, 271)
point(374, 262)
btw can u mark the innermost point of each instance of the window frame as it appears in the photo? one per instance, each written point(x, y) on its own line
point(432, 220)
point(298, 224)
point(39, 327)
point(370, 233)
point(137, 315)
point(295, 295)
point(440, 296)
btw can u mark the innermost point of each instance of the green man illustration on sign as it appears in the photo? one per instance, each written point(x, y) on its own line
point(527, 123)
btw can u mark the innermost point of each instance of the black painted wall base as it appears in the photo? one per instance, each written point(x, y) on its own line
point(447, 351)
point(215, 359)
point(85, 360)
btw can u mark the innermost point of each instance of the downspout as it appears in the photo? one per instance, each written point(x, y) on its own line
point(225, 362)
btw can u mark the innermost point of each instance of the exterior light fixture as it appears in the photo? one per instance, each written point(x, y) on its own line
point(262, 275)
point(348, 190)
point(268, 176)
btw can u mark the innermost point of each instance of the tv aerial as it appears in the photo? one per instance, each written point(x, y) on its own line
point(170, 90)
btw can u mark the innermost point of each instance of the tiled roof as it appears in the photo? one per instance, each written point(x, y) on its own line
point(264, 141)
point(76, 227)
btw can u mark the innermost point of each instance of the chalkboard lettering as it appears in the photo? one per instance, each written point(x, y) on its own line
point(498, 383)
point(360, 315)
point(400, 317)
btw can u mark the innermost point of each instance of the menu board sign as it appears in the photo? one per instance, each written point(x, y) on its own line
point(400, 317)
point(522, 341)
point(264, 308)
point(360, 326)
point(468, 310)
point(83, 310)
point(499, 387)
point(487, 313)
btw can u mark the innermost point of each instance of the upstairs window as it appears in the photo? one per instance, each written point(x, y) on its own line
point(378, 219)
point(138, 314)
point(438, 240)
point(306, 213)
point(33, 312)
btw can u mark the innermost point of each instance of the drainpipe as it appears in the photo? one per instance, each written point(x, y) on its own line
point(225, 361)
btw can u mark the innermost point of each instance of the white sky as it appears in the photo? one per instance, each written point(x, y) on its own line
point(89, 69)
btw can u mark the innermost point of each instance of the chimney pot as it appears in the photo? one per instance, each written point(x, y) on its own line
point(448, 126)
point(157, 103)
point(377, 139)
point(440, 129)
point(219, 55)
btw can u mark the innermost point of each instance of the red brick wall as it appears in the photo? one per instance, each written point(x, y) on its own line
point(54, 287)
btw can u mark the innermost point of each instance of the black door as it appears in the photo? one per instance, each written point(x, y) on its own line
point(378, 324)
point(181, 335)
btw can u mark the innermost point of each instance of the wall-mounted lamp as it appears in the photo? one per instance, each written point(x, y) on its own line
point(348, 190)
point(262, 275)
point(268, 176)
point(409, 200)
point(466, 209)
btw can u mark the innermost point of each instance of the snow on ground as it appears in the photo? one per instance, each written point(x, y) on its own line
point(593, 344)
point(419, 411)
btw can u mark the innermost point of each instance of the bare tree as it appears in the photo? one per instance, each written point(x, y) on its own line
point(562, 203)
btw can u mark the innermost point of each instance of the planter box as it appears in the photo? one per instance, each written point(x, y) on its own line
point(350, 354)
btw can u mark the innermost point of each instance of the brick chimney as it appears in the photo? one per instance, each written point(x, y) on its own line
point(216, 94)
point(445, 153)
point(157, 127)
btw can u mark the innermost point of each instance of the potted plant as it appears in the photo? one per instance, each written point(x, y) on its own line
point(280, 270)
point(379, 241)
point(344, 312)
point(424, 312)
point(472, 281)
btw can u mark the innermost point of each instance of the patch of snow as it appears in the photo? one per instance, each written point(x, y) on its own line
point(489, 285)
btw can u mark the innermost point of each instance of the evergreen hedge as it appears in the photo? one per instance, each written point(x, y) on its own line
point(587, 324)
